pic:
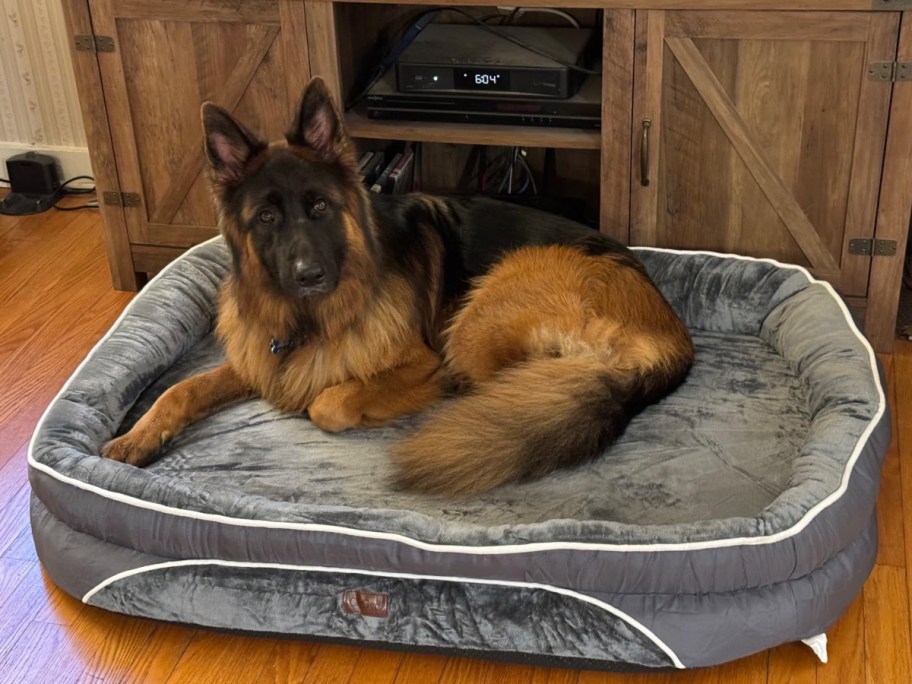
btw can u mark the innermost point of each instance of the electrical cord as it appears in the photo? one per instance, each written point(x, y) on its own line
point(411, 32)
point(78, 191)
point(61, 190)
point(93, 204)
point(529, 176)
point(517, 41)
point(519, 11)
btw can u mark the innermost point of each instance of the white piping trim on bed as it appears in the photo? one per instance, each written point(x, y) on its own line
point(633, 622)
point(504, 548)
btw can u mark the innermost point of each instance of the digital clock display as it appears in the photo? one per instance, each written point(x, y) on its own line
point(482, 79)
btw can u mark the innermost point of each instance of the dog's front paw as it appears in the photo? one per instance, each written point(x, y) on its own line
point(137, 449)
point(334, 410)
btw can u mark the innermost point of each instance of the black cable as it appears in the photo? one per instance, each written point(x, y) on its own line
point(4, 180)
point(58, 194)
point(77, 191)
point(87, 205)
point(405, 35)
point(517, 41)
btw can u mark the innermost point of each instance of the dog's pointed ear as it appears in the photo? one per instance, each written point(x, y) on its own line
point(229, 145)
point(318, 124)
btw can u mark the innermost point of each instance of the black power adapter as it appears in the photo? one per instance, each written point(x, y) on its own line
point(34, 184)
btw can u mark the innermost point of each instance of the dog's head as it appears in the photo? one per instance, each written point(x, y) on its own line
point(286, 208)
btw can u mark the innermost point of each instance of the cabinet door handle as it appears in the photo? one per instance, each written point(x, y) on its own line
point(644, 153)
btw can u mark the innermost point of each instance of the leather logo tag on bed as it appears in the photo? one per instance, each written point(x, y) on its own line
point(367, 603)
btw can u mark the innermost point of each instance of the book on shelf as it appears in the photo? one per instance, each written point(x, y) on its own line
point(372, 167)
point(400, 179)
point(380, 185)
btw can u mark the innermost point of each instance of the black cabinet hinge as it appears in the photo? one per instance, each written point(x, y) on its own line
point(122, 199)
point(869, 247)
point(94, 43)
point(892, 72)
point(891, 5)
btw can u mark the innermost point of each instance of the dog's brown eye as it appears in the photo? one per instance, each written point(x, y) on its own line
point(320, 205)
point(267, 216)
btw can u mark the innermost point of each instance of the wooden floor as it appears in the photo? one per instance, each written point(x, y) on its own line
point(56, 301)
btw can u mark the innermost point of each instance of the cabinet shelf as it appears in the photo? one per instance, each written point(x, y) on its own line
point(359, 126)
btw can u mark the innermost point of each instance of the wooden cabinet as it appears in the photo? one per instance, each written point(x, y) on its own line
point(760, 133)
point(169, 56)
point(766, 132)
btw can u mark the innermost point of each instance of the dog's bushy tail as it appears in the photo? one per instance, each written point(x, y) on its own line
point(538, 416)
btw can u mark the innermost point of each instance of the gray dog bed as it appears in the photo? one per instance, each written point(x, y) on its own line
point(734, 515)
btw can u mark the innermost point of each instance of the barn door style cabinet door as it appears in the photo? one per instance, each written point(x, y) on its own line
point(762, 133)
point(165, 58)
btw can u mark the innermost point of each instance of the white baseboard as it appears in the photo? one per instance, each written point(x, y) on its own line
point(72, 161)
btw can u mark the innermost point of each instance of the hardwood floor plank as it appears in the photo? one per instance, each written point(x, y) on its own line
point(13, 474)
point(58, 607)
point(792, 663)
point(39, 369)
point(44, 653)
point(42, 297)
point(9, 224)
point(23, 548)
point(418, 668)
point(31, 236)
point(589, 677)
point(16, 432)
point(215, 658)
point(33, 274)
point(292, 661)
point(463, 671)
point(333, 664)
point(157, 658)
point(12, 573)
point(15, 517)
point(902, 408)
point(113, 643)
point(750, 670)
point(888, 658)
point(127, 649)
point(553, 675)
point(503, 673)
point(891, 542)
point(21, 606)
point(376, 667)
point(846, 648)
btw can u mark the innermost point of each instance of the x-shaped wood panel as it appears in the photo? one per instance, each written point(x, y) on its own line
point(230, 95)
point(736, 129)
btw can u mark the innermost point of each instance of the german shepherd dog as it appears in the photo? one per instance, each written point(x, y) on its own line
point(358, 308)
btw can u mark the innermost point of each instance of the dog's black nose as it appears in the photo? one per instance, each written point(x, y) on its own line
point(308, 275)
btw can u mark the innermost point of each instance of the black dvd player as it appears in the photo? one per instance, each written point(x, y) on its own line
point(459, 58)
point(583, 110)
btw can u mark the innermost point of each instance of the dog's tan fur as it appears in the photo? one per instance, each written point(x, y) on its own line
point(545, 300)
point(537, 333)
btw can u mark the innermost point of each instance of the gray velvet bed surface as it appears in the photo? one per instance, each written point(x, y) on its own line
point(722, 446)
point(780, 395)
